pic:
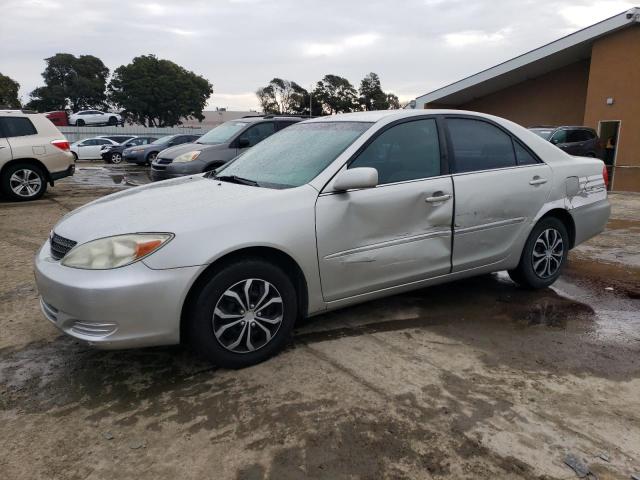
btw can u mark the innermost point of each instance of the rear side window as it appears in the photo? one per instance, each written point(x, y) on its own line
point(408, 151)
point(574, 136)
point(478, 145)
point(523, 157)
point(17, 127)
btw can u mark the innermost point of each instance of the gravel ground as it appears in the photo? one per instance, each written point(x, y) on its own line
point(475, 379)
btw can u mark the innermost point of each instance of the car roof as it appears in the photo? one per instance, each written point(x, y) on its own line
point(378, 115)
point(267, 118)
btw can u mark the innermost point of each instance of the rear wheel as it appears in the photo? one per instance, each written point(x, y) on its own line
point(544, 255)
point(116, 157)
point(243, 315)
point(23, 181)
point(113, 121)
point(79, 123)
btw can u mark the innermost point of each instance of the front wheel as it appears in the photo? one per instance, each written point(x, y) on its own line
point(116, 158)
point(151, 157)
point(113, 121)
point(80, 123)
point(243, 315)
point(544, 255)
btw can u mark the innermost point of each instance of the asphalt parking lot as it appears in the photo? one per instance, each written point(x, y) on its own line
point(475, 379)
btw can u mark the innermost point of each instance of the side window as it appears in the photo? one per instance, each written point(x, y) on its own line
point(281, 125)
point(17, 127)
point(408, 151)
point(478, 145)
point(523, 157)
point(103, 142)
point(559, 137)
point(259, 132)
point(89, 142)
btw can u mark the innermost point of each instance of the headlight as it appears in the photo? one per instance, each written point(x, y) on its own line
point(114, 252)
point(187, 157)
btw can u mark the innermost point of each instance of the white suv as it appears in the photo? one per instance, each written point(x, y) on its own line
point(94, 117)
point(33, 153)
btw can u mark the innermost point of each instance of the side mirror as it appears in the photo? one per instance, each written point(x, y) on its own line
point(555, 141)
point(362, 177)
point(243, 142)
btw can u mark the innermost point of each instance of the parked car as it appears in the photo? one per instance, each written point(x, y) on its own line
point(89, 148)
point(118, 138)
point(94, 117)
point(217, 146)
point(145, 154)
point(579, 141)
point(327, 213)
point(33, 153)
point(113, 153)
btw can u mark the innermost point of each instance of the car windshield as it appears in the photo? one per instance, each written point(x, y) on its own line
point(542, 132)
point(295, 155)
point(222, 133)
point(162, 140)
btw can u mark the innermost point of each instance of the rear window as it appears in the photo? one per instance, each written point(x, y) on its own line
point(17, 127)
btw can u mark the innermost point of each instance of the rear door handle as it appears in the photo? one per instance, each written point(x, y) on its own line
point(438, 197)
point(537, 181)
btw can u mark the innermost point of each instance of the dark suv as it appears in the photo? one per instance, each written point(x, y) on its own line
point(145, 154)
point(579, 141)
point(217, 146)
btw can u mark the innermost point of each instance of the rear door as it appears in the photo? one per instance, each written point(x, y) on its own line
point(396, 233)
point(500, 186)
point(5, 148)
point(256, 133)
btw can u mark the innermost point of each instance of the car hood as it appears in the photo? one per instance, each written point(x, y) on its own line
point(177, 206)
point(174, 152)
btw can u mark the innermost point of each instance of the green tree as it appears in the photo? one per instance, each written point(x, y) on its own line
point(336, 95)
point(283, 96)
point(158, 93)
point(77, 83)
point(9, 92)
point(393, 101)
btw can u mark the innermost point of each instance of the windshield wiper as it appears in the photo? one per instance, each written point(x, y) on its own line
point(236, 179)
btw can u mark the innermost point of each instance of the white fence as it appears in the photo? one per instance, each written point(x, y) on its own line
point(74, 134)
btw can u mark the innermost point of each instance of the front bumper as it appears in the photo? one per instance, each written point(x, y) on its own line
point(157, 175)
point(135, 157)
point(132, 306)
point(160, 170)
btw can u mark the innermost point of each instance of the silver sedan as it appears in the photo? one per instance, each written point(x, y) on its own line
point(326, 213)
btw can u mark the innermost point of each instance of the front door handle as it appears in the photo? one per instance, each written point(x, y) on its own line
point(537, 181)
point(438, 197)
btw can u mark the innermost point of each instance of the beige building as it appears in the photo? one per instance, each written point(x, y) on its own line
point(591, 77)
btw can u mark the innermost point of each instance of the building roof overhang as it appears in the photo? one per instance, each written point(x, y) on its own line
point(554, 55)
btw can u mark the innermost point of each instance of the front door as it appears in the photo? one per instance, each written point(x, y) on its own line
point(396, 233)
point(5, 149)
point(500, 186)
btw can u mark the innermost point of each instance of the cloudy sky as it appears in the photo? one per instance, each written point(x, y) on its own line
point(239, 45)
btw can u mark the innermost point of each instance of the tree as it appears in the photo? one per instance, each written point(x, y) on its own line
point(372, 97)
point(283, 96)
point(158, 93)
point(77, 83)
point(336, 95)
point(9, 92)
point(393, 101)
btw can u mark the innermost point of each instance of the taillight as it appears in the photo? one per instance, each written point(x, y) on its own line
point(605, 176)
point(61, 144)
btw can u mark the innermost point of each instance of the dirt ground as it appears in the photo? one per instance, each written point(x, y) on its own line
point(476, 379)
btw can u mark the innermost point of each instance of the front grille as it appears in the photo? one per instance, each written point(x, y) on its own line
point(60, 246)
point(164, 161)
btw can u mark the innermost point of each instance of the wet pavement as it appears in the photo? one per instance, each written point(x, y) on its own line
point(474, 379)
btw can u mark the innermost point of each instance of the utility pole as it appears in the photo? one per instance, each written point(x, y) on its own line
point(310, 99)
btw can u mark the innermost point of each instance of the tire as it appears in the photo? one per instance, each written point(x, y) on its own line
point(231, 346)
point(23, 182)
point(75, 156)
point(150, 158)
point(113, 121)
point(115, 158)
point(79, 123)
point(541, 262)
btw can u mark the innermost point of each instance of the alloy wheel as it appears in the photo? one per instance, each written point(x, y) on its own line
point(548, 253)
point(248, 315)
point(25, 183)
point(116, 158)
